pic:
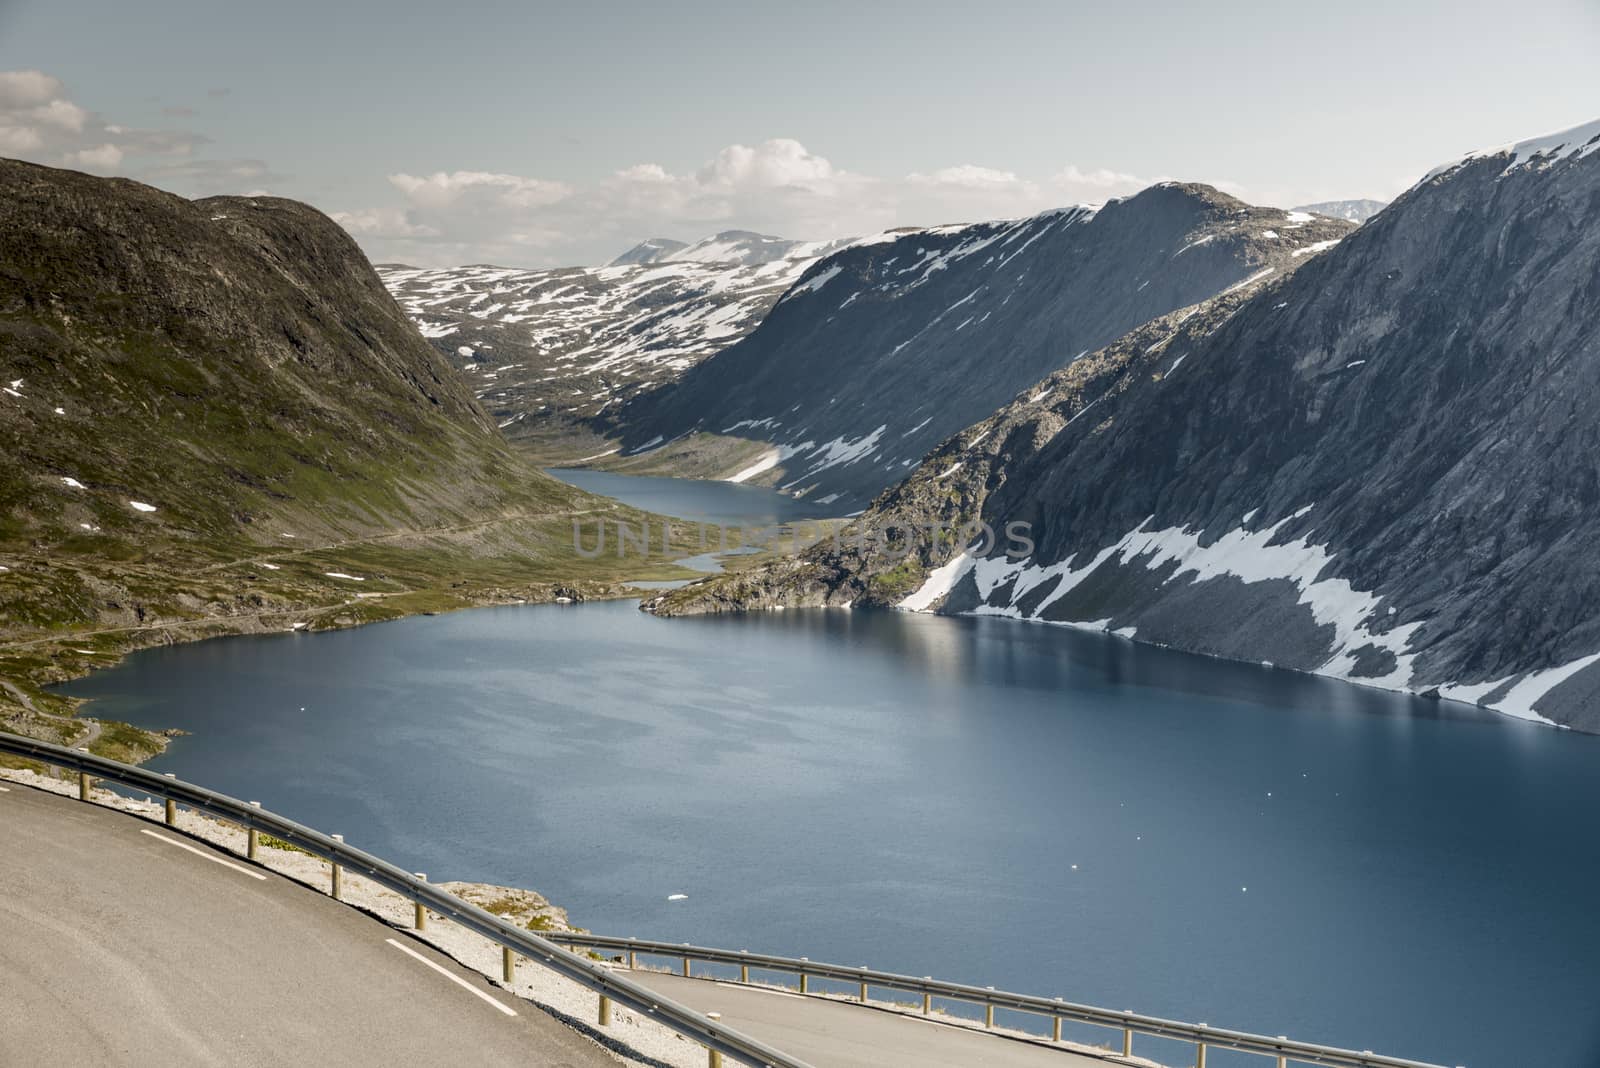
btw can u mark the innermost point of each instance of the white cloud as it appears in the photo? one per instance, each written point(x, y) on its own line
point(777, 186)
point(968, 176)
point(440, 190)
point(382, 223)
point(776, 163)
point(18, 140)
point(39, 122)
point(104, 157)
point(1100, 179)
point(27, 89)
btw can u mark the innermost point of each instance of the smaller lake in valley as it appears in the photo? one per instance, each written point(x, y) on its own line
point(703, 501)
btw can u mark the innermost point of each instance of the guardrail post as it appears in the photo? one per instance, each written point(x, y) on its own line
point(508, 964)
point(686, 967)
point(172, 807)
point(421, 917)
point(1127, 1043)
point(1200, 1055)
point(336, 877)
point(744, 973)
point(863, 991)
point(988, 1017)
point(1055, 1029)
point(84, 782)
point(633, 962)
point(927, 998)
point(803, 984)
point(605, 1011)
point(713, 1058)
point(252, 837)
point(1283, 1058)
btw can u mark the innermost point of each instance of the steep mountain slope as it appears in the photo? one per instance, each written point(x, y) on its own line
point(553, 352)
point(882, 350)
point(1381, 468)
point(1356, 211)
point(213, 411)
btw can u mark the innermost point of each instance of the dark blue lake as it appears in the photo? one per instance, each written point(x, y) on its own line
point(991, 802)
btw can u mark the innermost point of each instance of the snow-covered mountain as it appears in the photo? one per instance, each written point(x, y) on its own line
point(546, 349)
point(1381, 468)
point(883, 349)
point(750, 249)
point(1356, 211)
point(651, 251)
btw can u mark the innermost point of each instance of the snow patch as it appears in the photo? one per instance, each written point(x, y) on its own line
point(769, 459)
point(940, 581)
point(1576, 143)
point(1313, 249)
point(1521, 698)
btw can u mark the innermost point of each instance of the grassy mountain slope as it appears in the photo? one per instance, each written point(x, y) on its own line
point(210, 410)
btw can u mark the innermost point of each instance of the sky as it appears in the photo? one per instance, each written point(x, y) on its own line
point(543, 134)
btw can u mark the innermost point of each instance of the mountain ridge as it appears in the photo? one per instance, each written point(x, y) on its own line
point(1378, 468)
point(881, 350)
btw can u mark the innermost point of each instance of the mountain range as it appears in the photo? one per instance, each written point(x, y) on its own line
point(1379, 467)
point(881, 350)
point(552, 353)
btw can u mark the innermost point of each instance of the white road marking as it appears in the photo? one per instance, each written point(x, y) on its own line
point(456, 979)
point(763, 990)
point(202, 853)
point(5, 789)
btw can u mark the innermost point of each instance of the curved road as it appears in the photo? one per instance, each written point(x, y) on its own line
point(838, 1034)
point(118, 947)
point(123, 942)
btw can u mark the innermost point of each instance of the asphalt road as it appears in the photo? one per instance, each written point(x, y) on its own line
point(841, 1035)
point(125, 943)
point(118, 947)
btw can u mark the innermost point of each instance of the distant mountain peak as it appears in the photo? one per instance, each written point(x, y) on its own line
point(744, 247)
point(1356, 211)
point(653, 250)
point(1577, 142)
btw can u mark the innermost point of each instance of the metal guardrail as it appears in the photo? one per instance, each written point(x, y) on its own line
point(721, 1040)
point(1130, 1024)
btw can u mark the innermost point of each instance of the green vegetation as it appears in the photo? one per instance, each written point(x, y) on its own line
point(899, 580)
point(273, 842)
point(236, 366)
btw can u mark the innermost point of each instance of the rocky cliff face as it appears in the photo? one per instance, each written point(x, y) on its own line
point(1381, 468)
point(884, 349)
